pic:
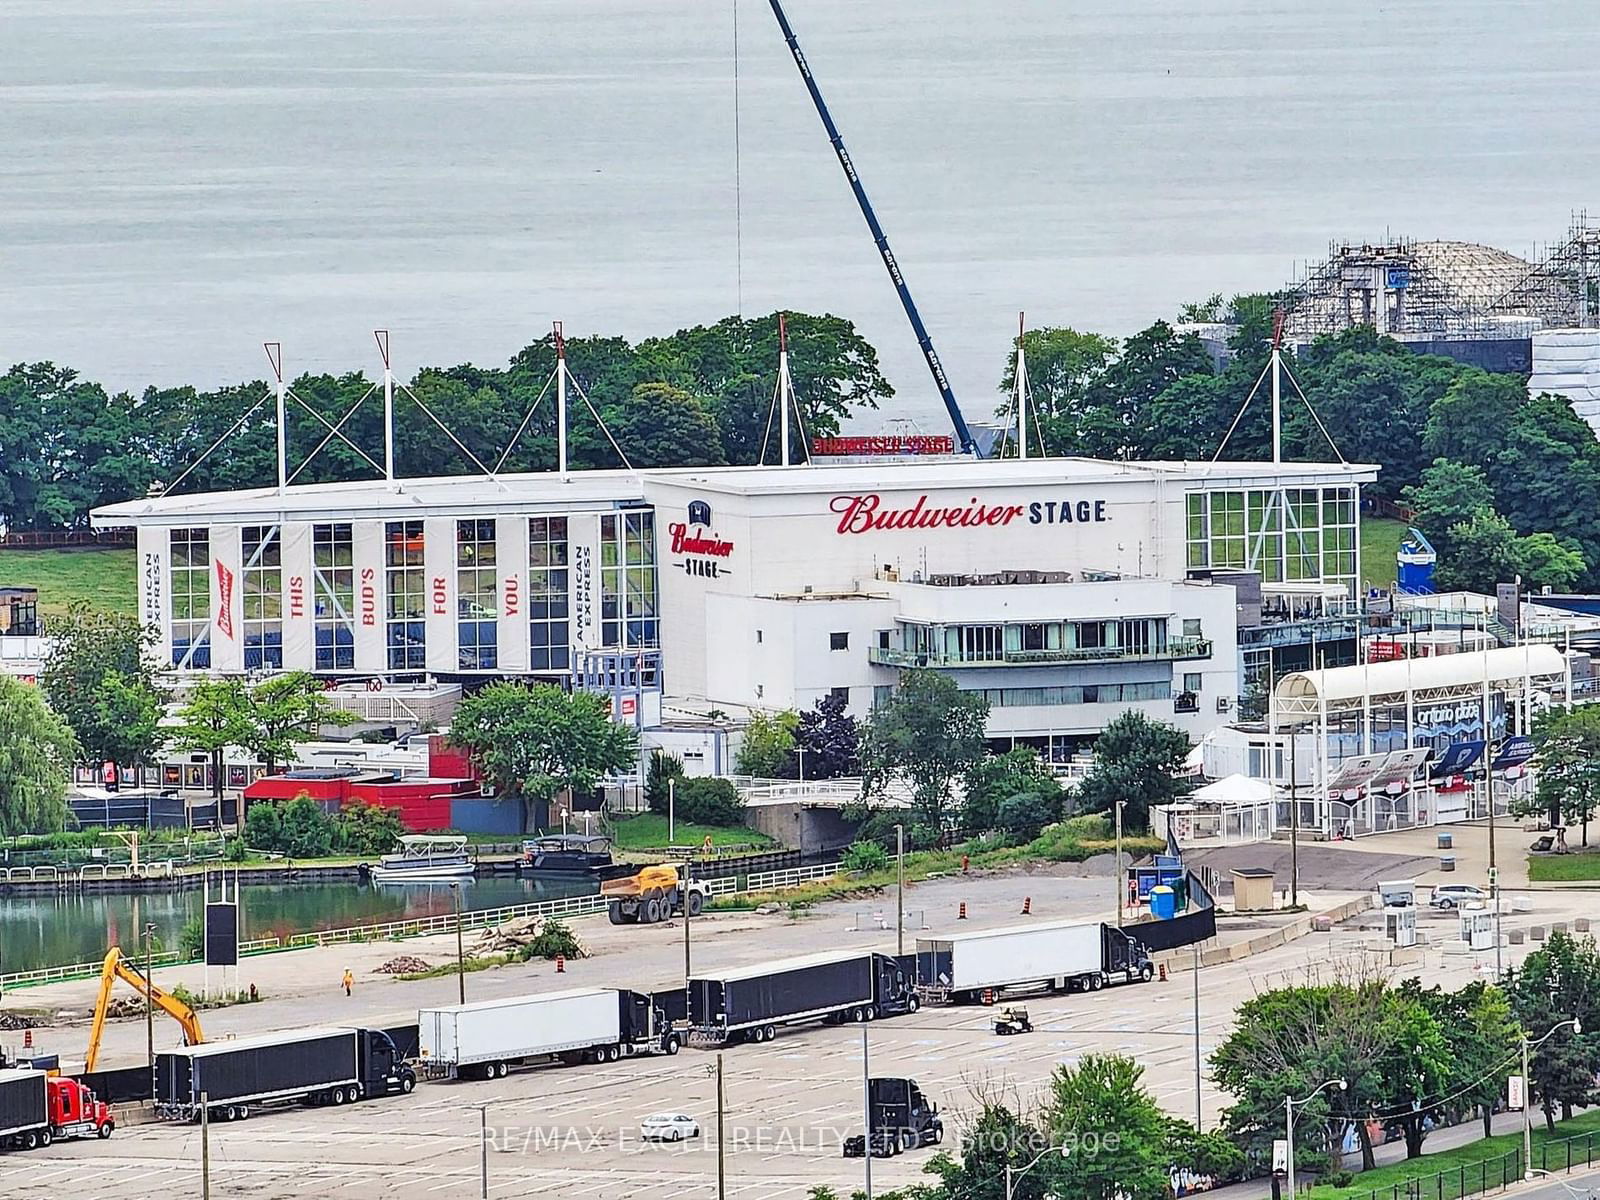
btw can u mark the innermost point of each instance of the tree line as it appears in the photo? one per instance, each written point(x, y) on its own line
point(698, 397)
point(1502, 483)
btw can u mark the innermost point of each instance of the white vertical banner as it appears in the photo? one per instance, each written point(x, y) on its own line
point(439, 561)
point(511, 562)
point(227, 628)
point(299, 591)
point(368, 605)
point(155, 588)
point(583, 576)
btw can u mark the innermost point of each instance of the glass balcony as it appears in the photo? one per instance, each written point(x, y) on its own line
point(1176, 649)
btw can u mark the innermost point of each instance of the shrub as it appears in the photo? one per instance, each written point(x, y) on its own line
point(663, 769)
point(864, 856)
point(238, 851)
point(1024, 816)
point(192, 938)
point(555, 937)
point(263, 825)
point(367, 829)
point(707, 801)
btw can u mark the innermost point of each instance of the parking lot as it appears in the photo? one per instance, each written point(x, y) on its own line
point(573, 1131)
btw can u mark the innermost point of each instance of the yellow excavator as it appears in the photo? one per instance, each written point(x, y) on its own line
point(117, 967)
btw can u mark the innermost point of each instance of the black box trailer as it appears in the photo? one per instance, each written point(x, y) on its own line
point(24, 1110)
point(752, 1001)
point(315, 1066)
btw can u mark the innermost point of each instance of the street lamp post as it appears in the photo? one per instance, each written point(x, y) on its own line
point(1527, 1090)
point(1289, 1104)
point(1015, 1173)
point(1198, 1122)
point(150, 1003)
point(1117, 870)
point(900, 889)
point(461, 958)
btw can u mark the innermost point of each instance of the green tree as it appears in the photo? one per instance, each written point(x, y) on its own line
point(1024, 816)
point(766, 750)
point(37, 751)
point(307, 831)
point(1065, 371)
point(263, 826)
point(995, 778)
point(1481, 1036)
point(830, 738)
point(535, 742)
point(100, 676)
point(1560, 982)
point(283, 712)
point(1114, 1129)
point(929, 733)
point(367, 829)
point(1484, 551)
point(1544, 561)
point(214, 717)
point(707, 801)
point(1448, 494)
point(663, 426)
point(1568, 789)
point(1136, 760)
point(665, 770)
point(997, 1137)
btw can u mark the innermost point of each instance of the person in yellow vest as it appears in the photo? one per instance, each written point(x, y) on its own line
point(349, 981)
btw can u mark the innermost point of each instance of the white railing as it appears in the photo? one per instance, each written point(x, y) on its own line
point(771, 881)
point(165, 958)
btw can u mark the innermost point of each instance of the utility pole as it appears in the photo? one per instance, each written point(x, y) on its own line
point(722, 1166)
point(1117, 871)
point(483, 1151)
point(899, 891)
point(1198, 1124)
point(672, 808)
point(1294, 820)
point(688, 878)
point(205, 1146)
point(461, 958)
point(1527, 1112)
point(150, 1005)
point(866, 1100)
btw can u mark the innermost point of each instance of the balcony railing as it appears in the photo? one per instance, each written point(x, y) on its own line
point(1177, 648)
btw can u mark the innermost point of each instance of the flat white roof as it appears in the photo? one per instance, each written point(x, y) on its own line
point(514, 1001)
point(783, 964)
point(265, 1039)
point(1467, 669)
point(1039, 926)
point(548, 492)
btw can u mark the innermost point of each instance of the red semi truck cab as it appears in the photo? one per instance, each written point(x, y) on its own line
point(75, 1112)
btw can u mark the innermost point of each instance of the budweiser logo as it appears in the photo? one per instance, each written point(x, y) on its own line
point(224, 599)
point(686, 542)
point(864, 514)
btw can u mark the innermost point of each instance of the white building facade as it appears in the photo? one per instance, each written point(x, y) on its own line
point(1062, 589)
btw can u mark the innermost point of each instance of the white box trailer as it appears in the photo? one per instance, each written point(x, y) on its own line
point(581, 1025)
point(1064, 955)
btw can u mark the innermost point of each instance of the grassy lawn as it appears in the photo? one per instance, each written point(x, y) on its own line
point(104, 578)
point(1380, 542)
point(1384, 1179)
point(1564, 868)
point(648, 831)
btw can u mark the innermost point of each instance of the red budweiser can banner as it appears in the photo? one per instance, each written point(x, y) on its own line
point(224, 599)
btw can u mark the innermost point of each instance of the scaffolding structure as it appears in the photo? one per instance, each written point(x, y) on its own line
point(1445, 289)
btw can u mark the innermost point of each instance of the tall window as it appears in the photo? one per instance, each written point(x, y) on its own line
point(407, 596)
point(263, 598)
point(1296, 534)
point(477, 597)
point(549, 630)
point(190, 553)
point(333, 597)
point(629, 614)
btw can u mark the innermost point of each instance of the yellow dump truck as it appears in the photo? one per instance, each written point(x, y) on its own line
point(654, 894)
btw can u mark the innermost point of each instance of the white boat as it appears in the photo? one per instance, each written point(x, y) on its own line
point(422, 858)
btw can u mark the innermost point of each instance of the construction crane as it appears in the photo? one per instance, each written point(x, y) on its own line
point(117, 967)
point(963, 435)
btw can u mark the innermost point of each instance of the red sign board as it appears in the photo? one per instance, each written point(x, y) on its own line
point(224, 599)
point(883, 444)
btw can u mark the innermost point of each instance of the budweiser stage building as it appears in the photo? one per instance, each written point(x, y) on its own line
point(1065, 590)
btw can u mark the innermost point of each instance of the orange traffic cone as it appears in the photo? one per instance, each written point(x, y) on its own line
point(1163, 972)
point(988, 995)
point(962, 915)
point(561, 964)
point(27, 1039)
point(1027, 905)
point(964, 861)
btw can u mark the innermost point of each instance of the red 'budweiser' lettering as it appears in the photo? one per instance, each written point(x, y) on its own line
point(684, 542)
point(864, 514)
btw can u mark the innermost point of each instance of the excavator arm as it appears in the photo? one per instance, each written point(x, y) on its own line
point(117, 967)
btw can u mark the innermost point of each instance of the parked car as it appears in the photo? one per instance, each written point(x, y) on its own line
point(1457, 895)
point(668, 1127)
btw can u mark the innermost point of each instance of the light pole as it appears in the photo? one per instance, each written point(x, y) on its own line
point(800, 753)
point(1527, 1090)
point(1117, 871)
point(672, 808)
point(150, 1003)
point(1198, 1124)
point(900, 890)
point(1288, 1123)
point(688, 880)
point(866, 1101)
point(461, 958)
point(483, 1151)
point(1013, 1173)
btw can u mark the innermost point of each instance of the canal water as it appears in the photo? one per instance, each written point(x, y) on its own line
point(55, 930)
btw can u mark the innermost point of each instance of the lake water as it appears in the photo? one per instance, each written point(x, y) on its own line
point(54, 930)
point(187, 178)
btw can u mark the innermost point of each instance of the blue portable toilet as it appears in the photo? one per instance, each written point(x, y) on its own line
point(1414, 564)
point(1163, 903)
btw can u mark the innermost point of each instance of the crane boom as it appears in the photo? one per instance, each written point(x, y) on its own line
point(963, 434)
point(117, 967)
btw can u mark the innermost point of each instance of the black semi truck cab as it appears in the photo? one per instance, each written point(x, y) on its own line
point(901, 1119)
